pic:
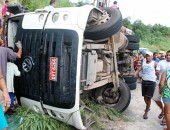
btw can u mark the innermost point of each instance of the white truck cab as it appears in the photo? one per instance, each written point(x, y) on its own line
point(69, 53)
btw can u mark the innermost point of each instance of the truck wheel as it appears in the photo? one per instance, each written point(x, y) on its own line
point(119, 100)
point(133, 46)
point(133, 38)
point(111, 24)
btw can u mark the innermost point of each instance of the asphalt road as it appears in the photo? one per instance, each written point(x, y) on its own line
point(135, 113)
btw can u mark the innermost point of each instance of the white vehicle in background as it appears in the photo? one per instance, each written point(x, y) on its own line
point(68, 55)
point(143, 50)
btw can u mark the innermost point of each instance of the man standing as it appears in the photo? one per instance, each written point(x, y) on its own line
point(162, 65)
point(157, 96)
point(155, 57)
point(52, 5)
point(148, 80)
point(8, 54)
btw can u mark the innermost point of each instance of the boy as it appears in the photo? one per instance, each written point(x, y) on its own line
point(12, 70)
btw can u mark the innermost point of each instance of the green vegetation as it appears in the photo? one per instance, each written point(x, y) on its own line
point(26, 119)
point(102, 111)
point(156, 37)
point(36, 121)
point(37, 4)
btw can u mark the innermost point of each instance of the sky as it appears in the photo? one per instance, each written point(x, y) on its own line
point(149, 11)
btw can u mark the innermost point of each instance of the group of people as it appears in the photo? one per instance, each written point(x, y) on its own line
point(155, 74)
point(8, 70)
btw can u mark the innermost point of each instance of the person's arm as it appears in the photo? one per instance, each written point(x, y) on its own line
point(19, 45)
point(156, 70)
point(19, 53)
point(139, 68)
point(5, 95)
point(13, 55)
point(162, 80)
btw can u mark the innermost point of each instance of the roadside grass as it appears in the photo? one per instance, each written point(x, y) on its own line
point(159, 46)
point(26, 119)
point(102, 111)
point(30, 120)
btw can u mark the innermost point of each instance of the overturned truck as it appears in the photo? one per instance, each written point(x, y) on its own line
point(70, 54)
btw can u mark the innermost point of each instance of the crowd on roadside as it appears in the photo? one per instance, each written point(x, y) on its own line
point(8, 69)
point(7, 72)
point(153, 70)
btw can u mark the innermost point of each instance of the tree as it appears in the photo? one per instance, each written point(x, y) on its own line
point(127, 23)
point(32, 5)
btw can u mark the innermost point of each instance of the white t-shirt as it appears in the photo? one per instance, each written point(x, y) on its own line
point(148, 71)
point(162, 66)
point(12, 70)
point(50, 7)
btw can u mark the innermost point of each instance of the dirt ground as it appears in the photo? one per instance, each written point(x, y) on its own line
point(134, 113)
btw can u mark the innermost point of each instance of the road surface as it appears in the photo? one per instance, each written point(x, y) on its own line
point(135, 113)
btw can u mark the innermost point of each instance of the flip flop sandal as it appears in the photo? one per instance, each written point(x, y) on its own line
point(160, 115)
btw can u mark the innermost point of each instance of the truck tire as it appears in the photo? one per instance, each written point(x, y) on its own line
point(132, 46)
point(132, 86)
point(129, 79)
point(15, 9)
point(133, 38)
point(106, 29)
point(120, 102)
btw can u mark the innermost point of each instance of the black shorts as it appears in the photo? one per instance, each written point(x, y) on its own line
point(148, 88)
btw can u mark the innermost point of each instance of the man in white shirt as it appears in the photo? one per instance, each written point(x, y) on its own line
point(157, 96)
point(52, 5)
point(148, 80)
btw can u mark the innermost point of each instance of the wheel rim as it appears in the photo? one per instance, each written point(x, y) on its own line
point(110, 97)
point(103, 19)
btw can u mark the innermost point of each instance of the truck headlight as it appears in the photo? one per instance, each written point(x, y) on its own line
point(65, 17)
point(41, 18)
point(55, 17)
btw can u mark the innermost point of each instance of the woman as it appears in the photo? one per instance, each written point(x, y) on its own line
point(164, 87)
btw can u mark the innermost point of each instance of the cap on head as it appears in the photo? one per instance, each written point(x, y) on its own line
point(149, 53)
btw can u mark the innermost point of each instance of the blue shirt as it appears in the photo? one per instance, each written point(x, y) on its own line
point(156, 60)
point(3, 122)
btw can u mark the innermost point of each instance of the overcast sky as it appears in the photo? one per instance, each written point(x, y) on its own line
point(149, 11)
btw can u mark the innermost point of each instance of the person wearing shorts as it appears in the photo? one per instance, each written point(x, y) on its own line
point(162, 65)
point(148, 80)
point(164, 87)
